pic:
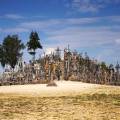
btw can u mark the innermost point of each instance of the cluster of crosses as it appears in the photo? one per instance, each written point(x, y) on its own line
point(77, 67)
point(70, 66)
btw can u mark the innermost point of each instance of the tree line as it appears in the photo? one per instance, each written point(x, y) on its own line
point(12, 48)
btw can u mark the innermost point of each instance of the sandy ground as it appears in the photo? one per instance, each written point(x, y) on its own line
point(39, 102)
point(63, 88)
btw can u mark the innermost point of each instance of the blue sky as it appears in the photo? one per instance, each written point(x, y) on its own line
point(91, 26)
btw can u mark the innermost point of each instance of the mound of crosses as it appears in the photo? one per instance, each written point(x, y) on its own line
point(72, 66)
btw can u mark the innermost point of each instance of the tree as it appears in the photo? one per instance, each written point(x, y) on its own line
point(33, 43)
point(2, 56)
point(11, 50)
point(104, 66)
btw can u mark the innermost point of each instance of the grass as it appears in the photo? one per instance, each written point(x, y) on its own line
point(100, 104)
point(86, 107)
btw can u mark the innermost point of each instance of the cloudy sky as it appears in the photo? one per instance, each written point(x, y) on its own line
point(91, 26)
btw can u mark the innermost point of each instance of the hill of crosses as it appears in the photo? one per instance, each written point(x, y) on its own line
point(72, 66)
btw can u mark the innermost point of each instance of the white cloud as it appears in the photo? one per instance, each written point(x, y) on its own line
point(117, 41)
point(91, 5)
point(61, 32)
point(13, 16)
point(81, 6)
point(73, 31)
point(82, 37)
point(14, 30)
point(49, 50)
point(86, 5)
point(67, 22)
point(58, 22)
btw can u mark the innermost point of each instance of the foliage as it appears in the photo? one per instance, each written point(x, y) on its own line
point(11, 50)
point(2, 56)
point(103, 66)
point(33, 43)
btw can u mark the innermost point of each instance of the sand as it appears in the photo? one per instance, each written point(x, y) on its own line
point(39, 102)
point(63, 88)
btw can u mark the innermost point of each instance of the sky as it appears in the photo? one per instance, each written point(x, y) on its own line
point(91, 26)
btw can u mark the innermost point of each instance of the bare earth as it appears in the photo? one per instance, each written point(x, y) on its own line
point(68, 101)
point(63, 88)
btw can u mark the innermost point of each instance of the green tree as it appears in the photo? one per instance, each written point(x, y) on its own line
point(11, 50)
point(33, 44)
point(103, 66)
point(2, 56)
